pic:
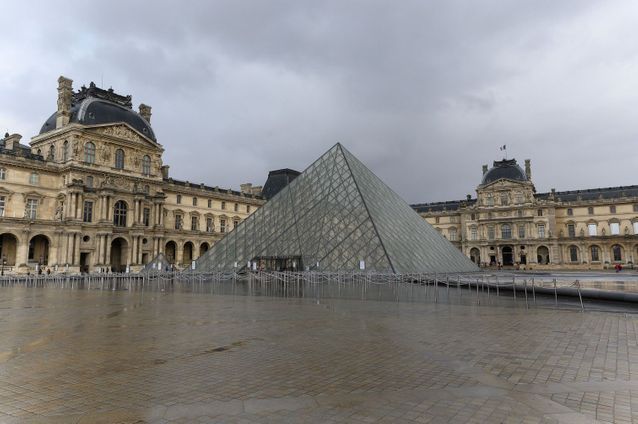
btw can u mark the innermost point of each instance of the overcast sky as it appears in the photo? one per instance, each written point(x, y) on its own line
point(423, 92)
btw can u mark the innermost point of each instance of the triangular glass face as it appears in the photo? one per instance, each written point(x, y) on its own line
point(336, 216)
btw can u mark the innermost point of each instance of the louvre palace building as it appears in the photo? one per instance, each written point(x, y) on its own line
point(90, 193)
point(510, 224)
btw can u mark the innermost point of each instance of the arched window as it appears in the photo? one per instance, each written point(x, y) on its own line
point(573, 253)
point(119, 159)
point(146, 165)
point(65, 151)
point(506, 231)
point(119, 214)
point(595, 253)
point(89, 152)
point(616, 253)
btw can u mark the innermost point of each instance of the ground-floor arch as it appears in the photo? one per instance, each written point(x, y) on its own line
point(8, 249)
point(203, 248)
point(39, 249)
point(119, 253)
point(188, 253)
point(508, 255)
point(475, 255)
point(542, 255)
point(170, 251)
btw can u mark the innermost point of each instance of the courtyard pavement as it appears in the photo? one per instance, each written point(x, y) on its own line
point(88, 356)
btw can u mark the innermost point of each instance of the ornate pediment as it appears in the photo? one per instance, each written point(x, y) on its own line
point(122, 131)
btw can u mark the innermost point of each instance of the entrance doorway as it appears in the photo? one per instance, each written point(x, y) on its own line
point(278, 263)
point(39, 250)
point(119, 253)
point(170, 250)
point(475, 255)
point(508, 257)
point(84, 261)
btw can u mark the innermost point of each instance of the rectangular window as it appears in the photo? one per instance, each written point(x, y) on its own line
point(210, 203)
point(223, 205)
point(541, 230)
point(194, 223)
point(614, 228)
point(33, 178)
point(87, 215)
point(247, 208)
point(3, 175)
point(590, 210)
point(592, 230)
point(521, 231)
point(635, 225)
point(209, 225)
point(437, 220)
point(612, 209)
point(194, 201)
point(473, 233)
point(490, 232)
point(235, 223)
point(179, 199)
point(222, 225)
point(636, 207)
point(570, 211)
point(236, 207)
point(473, 217)
point(454, 219)
point(89, 181)
point(32, 208)
point(571, 230)
point(178, 222)
point(540, 212)
point(573, 254)
point(146, 217)
point(2, 205)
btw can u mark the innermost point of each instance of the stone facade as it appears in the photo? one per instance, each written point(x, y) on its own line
point(509, 224)
point(96, 196)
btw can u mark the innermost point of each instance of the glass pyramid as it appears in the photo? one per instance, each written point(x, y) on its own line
point(337, 216)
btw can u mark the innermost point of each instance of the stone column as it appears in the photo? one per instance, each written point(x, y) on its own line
point(107, 256)
point(98, 251)
point(22, 254)
point(78, 213)
point(179, 255)
point(136, 209)
point(133, 249)
point(76, 253)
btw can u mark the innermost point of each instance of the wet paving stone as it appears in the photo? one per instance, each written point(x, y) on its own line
point(79, 356)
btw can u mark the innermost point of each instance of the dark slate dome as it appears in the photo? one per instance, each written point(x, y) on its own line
point(504, 169)
point(94, 106)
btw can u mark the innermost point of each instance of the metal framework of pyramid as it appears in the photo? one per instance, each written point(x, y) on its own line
point(336, 216)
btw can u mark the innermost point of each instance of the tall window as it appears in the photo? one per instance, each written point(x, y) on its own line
point(3, 201)
point(595, 254)
point(119, 213)
point(236, 207)
point(490, 232)
point(146, 165)
point(210, 203)
point(612, 209)
point(247, 208)
point(636, 207)
point(32, 209)
point(34, 178)
point(541, 230)
point(65, 151)
point(209, 225)
point(223, 205)
point(236, 223)
point(570, 211)
point(179, 199)
point(506, 232)
point(194, 201)
point(178, 222)
point(222, 225)
point(452, 233)
point(119, 159)
point(89, 152)
point(87, 215)
point(437, 220)
point(146, 217)
point(616, 252)
point(89, 181)
point(521, 231)
point(3, 174)
point(473, 233)
point(194, 223)
point(592, 229)
point(571, 230)
point(614, 228)
point(590, 210)
point(539, 212)
point(573, 253)
point(635, 227)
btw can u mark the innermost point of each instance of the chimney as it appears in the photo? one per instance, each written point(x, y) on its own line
point(528, 169)
point(145, 112)
point(246, 188)
point(468, 197)
point(165, 171)
point(484, 169)
point(12, 141)
point(65, 95)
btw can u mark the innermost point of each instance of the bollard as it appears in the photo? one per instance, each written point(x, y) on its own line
point(555, 295)
point(525, 289)
point(582, 307)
